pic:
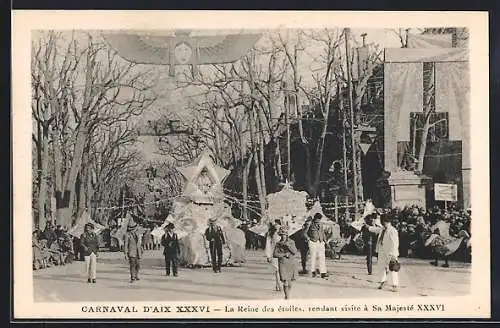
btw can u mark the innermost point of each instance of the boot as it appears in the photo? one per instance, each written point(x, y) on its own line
point(286, 289)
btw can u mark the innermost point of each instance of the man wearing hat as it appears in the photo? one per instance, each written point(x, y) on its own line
point(133, 249)
point(215, 237)
point(387, 249)
point(90, 247)
point(171, 249)
point(314, 233)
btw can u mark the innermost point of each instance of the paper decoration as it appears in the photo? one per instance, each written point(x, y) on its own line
point(78, 228)
point(181, 48)
point(201, 200)
point(203, 180)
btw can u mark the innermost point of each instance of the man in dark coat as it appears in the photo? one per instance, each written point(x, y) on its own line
point(90, 248)
point(171, 249)
point(303, 246)
point(133, 249)
point(215, 236)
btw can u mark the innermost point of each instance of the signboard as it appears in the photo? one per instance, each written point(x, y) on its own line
point(446, 192)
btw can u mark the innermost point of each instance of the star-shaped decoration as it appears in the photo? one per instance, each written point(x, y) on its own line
point(203, 176)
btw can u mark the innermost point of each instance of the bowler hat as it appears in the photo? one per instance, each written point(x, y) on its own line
point(212, 220)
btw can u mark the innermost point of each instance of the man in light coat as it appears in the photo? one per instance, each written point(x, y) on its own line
point(314, 233)
point(133, 249)
point(387, 248)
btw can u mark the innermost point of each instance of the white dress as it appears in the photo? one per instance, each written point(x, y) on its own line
point(270, 245)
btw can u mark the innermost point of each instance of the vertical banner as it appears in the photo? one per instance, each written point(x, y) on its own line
point(403, 94)
point(452, 96)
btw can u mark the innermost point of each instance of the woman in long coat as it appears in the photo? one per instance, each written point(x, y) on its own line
point(285, 252)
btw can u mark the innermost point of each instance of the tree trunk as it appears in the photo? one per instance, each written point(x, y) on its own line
point(257, 174)
point(423, 144)
point(246, 173)
point(279, 171)
point(262, 168)
point(317, 179)
point(43, 174)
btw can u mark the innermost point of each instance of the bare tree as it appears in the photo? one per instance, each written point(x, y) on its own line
point(84, 84)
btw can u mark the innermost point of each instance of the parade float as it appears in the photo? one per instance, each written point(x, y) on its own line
point(202, 199)
point(289, 207)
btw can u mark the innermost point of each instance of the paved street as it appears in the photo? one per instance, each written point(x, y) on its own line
point(254, 280)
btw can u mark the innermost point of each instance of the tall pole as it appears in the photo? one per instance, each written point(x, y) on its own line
point(351, 111)
point(287, 122)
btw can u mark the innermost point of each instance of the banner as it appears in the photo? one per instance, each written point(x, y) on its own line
point(445, 192)
point(403, 94)
point(452, 96)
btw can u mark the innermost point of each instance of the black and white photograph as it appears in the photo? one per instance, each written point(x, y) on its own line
point(294, 170)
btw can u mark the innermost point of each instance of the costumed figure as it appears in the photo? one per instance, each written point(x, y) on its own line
point(388, 251)
point(442, 244)
point(285, 252)
point(315, 235)
point(272, 237)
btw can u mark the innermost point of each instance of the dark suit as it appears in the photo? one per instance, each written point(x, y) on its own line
point(90, 243)
point(171, 251)
point(216, 239)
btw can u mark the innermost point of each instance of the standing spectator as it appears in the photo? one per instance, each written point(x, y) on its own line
point(133, 249)
point(404, 240)
point(171, 249)
point(215, 237)
point(302, 244)
point(147, 239)
point(90, 248)
point(285, 251)
point(368, 241)
point(272, 237)
point(156, 237)
point(314, 233)
point(387, 249)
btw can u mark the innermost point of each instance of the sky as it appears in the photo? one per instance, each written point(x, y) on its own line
point(174, 99)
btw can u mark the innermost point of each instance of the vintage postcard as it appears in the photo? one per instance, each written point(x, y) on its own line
point(184, 165)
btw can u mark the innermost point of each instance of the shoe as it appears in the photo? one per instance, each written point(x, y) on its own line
point(434, 263)
point(394, 289)
point(381, 285)
point(89, 280)
point(132, 280)
point(137, 278)
point(175, 274)
point(324, 275)
point(93, 281)
point(167, 274)
point(313, 275)
point(446, 265)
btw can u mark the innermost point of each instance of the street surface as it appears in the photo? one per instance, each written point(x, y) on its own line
point(253, 280)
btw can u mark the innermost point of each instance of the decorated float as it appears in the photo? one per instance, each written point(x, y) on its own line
point(202, 199)
point(289, 206)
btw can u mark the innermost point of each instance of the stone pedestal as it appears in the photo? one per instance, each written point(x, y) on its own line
point(405, 188)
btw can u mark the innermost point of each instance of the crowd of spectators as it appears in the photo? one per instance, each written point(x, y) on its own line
point(415, 225)
point(52, 246)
